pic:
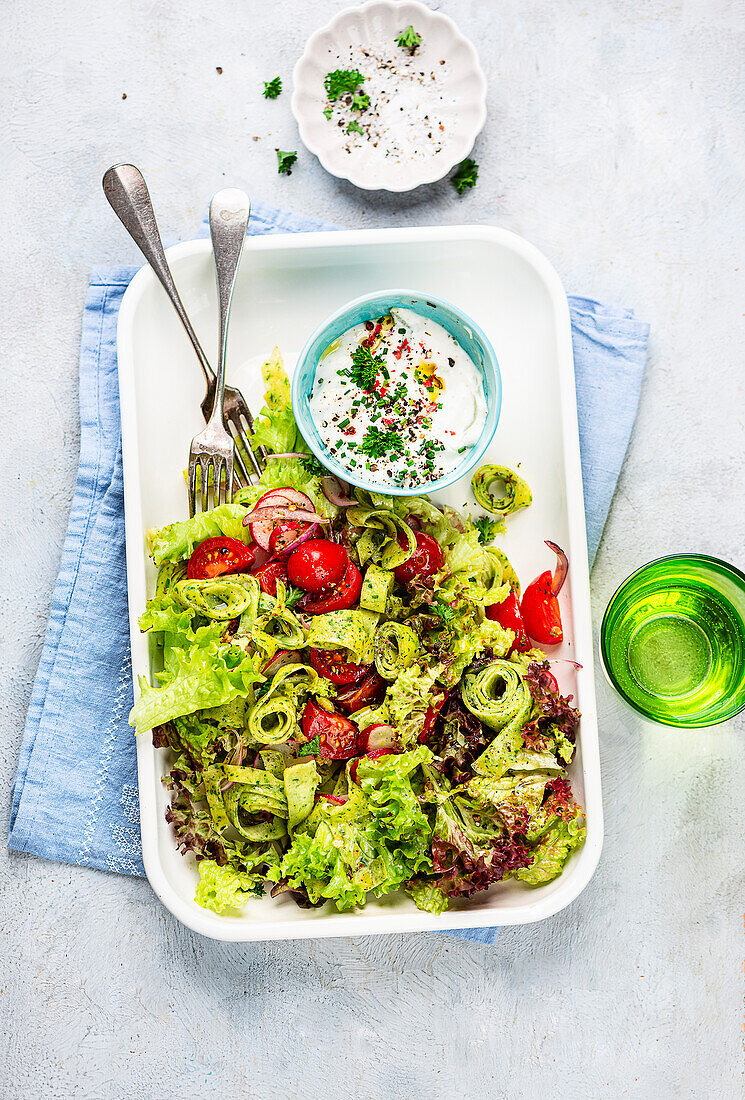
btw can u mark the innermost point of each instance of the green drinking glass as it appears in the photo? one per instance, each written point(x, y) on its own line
point(673, 641)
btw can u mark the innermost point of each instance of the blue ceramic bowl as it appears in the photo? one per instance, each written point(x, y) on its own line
point(461, 328)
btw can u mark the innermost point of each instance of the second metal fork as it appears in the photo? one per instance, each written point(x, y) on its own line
point(212, 449)
point(126, 190)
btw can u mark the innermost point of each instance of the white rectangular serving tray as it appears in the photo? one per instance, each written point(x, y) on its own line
point(286, 286)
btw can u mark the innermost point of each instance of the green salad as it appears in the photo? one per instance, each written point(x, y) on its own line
point(349, 690)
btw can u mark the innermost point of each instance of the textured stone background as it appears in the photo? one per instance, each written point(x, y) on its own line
point(615, 143)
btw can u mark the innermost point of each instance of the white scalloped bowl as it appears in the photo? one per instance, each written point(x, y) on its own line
point(457, 94)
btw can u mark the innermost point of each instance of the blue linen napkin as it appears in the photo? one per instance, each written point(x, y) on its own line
point(75, 794)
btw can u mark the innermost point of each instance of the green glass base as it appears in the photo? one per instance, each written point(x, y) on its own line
point(673, 641)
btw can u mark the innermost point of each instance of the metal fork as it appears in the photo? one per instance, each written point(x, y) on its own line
point(126, 190)
point(212, 449)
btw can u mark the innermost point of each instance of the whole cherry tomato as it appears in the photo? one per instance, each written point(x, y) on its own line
point(216, 556)
point(344, 595)
point(268, 575)
point(540, 611)
point(426, 560)
point(370, 689)
point(317, 564)
point(330, 663)
point(338, 737)
point(507, 614)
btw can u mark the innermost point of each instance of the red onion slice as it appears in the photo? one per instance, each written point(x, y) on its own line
point(337, 801)
point(335, 493)
point(562, 568)
point(289, 454)
point(283, 514)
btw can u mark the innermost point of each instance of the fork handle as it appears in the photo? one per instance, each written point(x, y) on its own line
point(126, 190)
point(230, 210)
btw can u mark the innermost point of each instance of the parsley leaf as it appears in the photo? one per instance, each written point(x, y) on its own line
point(444, 611)
point(285, 161)
point(376, 443)
point(272, 88)
point(342, 82)
point(365, 367)
point(294, 596)
point(487, 529)
point(313, 746)
point(465, 176)
point(409, 39)
point(313, 466)
point(328, 111)
point(354, 127)
point(360, 101)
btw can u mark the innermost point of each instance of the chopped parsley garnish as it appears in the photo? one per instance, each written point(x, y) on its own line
point(465, 176)
point(487, 529)
point(444, 611)
point(342, 82)
point(377, 443)
point(313, 746)
point(272, 88)
point(409, 39)
point(313, 466)
point(365, 367)
point(285, 161)
point(354, 127)
point(328, 111)
point(360, 101)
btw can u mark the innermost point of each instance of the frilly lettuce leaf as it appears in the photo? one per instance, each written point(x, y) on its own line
point(206, 675)
point(409, 698)
point(222, 888)
point(275, 427)
point(176, 541)
point(426, 896)
point(552, 852)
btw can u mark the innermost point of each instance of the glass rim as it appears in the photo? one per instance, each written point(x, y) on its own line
point(675, 723)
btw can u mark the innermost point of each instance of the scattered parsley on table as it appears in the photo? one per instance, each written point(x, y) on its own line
point(354, 127)
point(285, 161)
point(409, 39)
point(487, 529)
point(465, 176)
point(272, 88)
point(360, 101)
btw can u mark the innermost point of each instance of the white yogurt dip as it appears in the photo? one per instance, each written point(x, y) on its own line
point(398, 400)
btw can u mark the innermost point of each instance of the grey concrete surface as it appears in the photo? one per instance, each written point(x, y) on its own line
point(615, 143)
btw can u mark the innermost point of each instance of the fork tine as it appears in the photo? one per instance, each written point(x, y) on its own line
point(226, 479)
point(240, 437)
point(241, 475)
point(192, 485)
point(204, 477)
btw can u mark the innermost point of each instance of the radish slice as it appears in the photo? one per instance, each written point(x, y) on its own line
point(262, 520)
point(379, 736)
point(294, 496)
point(562, 568)
point(279, 660)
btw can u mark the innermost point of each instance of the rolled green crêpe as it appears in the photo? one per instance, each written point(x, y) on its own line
point(273, 720)
point(396, 648)
point(381, 541)
point(301, 782)
point(218, 598)
point(517, 492)
point(497, 695)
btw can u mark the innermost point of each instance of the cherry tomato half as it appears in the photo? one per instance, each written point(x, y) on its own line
point(330, 663)
point(344, 595)
point(507, 614)
point(284, 534)
point(431, 717)
point(317, 564)
point(219, 555)
point(540, 611)
point(370, 689)
point(426, 560)
point(268, 575)
point(338, 737)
